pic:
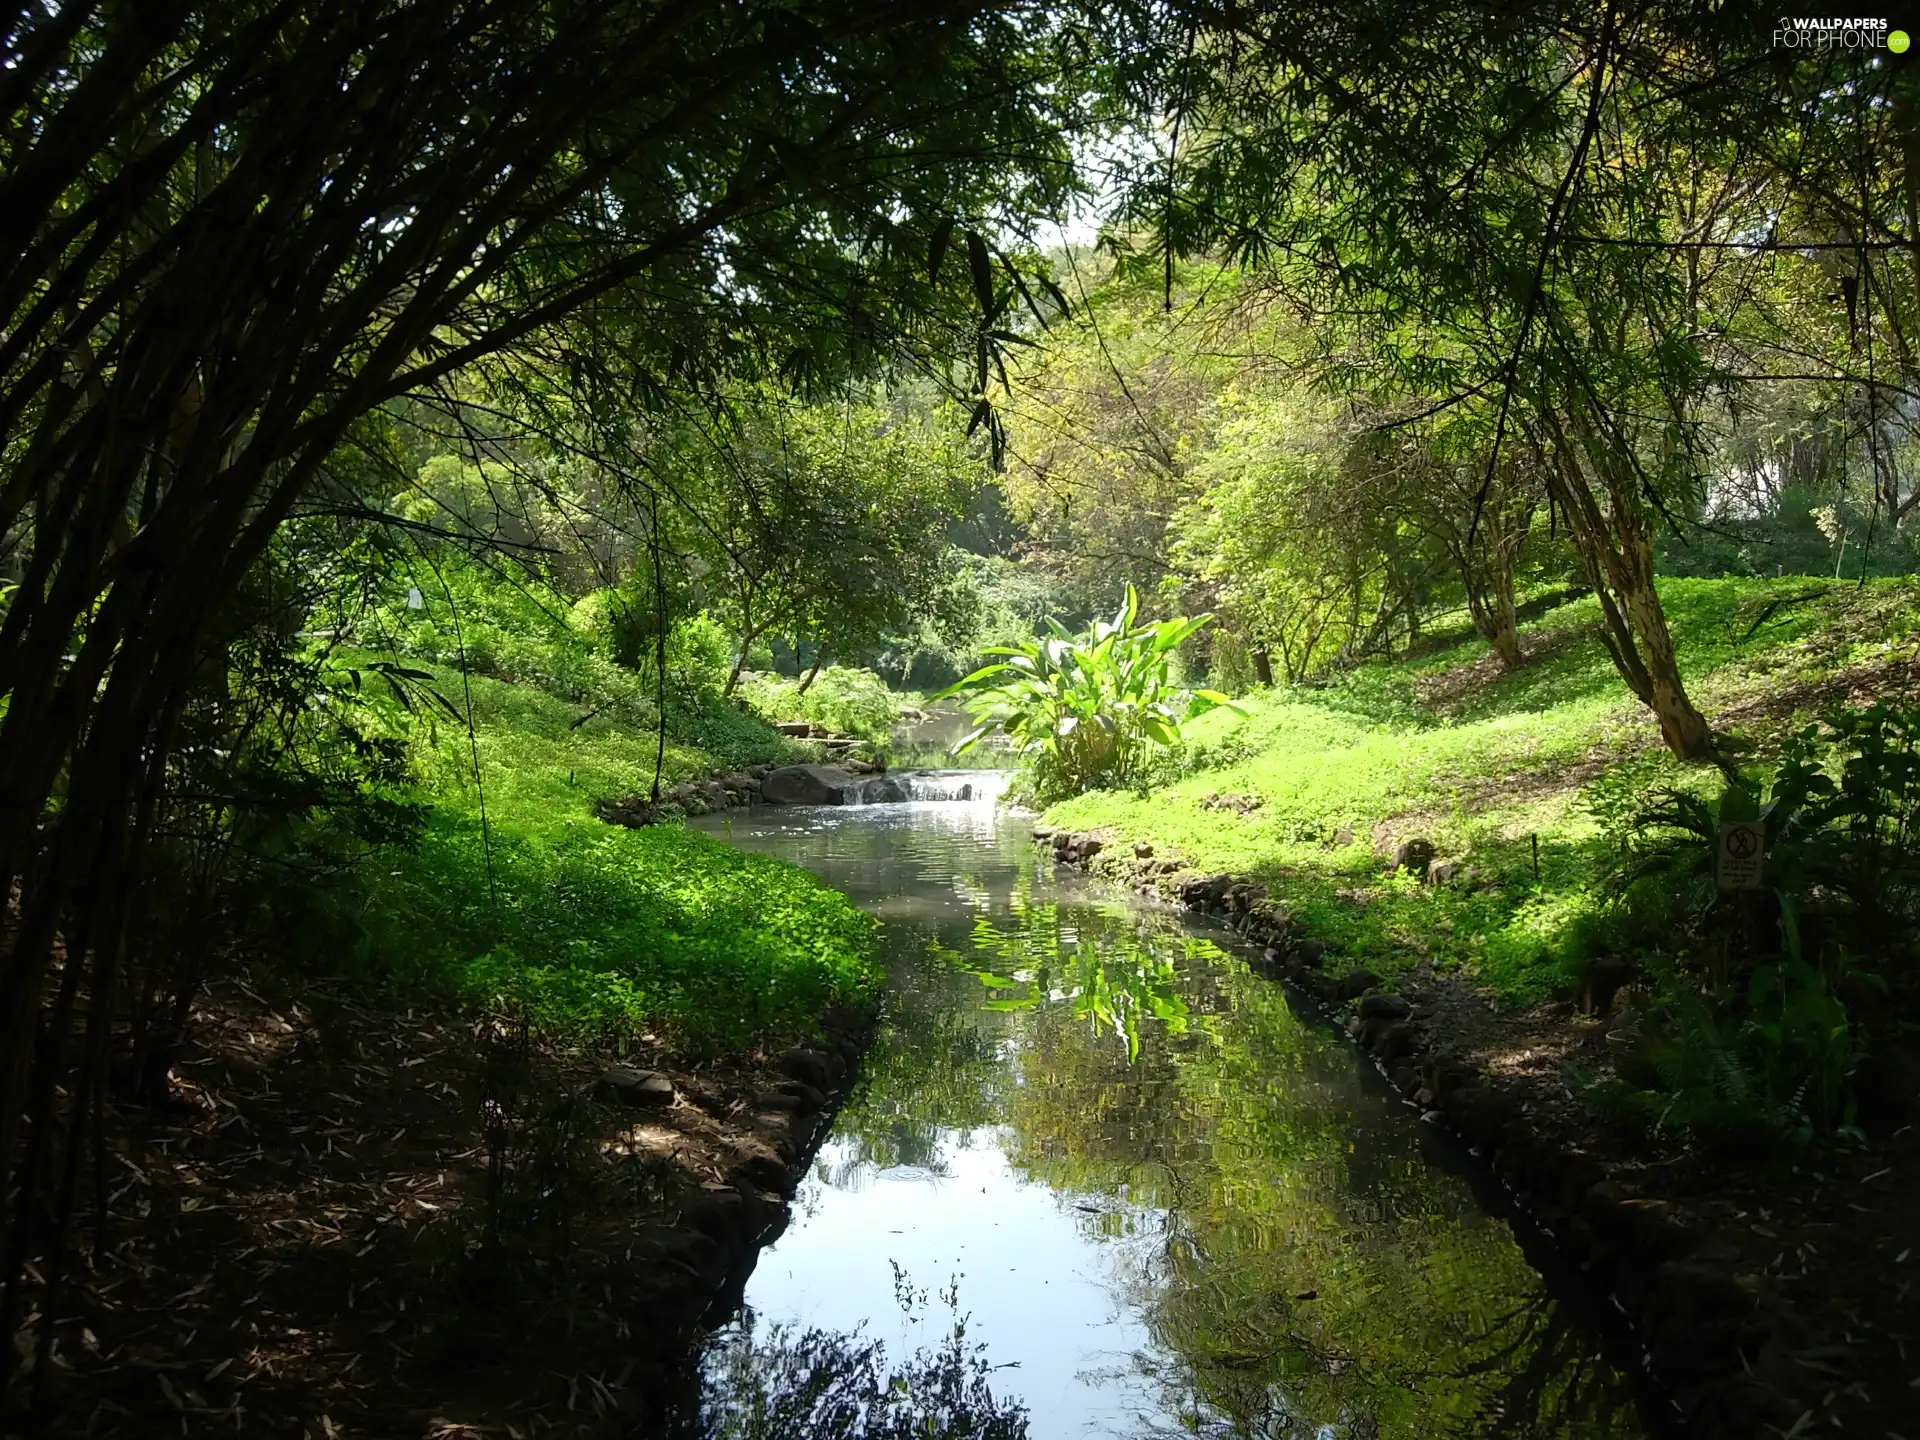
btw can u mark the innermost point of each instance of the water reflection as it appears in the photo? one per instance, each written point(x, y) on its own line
point(786, 1382)
point(1175, 1205)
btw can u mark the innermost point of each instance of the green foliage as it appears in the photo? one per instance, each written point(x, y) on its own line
point(1481, 762)
point(1842, 866)
point(698, 652)
point(990, 600)
point(699, 649)
point(1755, 1033)
point(826, 525)
point(589, 930)
point(598, 931)
point(1086, 711)
point(853, 702)
point(1764, 1078)
point(508, 623)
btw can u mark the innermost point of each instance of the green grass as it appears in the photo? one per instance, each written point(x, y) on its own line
point(853, 702)
point(535, 758)
point(1484, 765)
point(592, 930)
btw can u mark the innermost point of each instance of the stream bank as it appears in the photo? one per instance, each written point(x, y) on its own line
point(1145, 1178)
point(359, 1220)
point(1767, 1305)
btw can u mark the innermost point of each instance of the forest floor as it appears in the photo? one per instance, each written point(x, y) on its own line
point(354, 1219)
point(1511, 962)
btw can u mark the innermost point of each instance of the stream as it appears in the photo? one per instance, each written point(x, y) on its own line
point(1167, 1196)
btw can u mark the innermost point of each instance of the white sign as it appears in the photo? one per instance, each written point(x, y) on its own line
point(414, 602)
point(1743, 855)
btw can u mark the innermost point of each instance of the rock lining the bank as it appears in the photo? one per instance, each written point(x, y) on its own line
point(844, 782)
point(766, 1140)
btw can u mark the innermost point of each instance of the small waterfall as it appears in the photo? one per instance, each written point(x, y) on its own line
point(919, 785)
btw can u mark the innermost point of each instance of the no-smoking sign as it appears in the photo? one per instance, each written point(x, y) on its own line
point(1743, 854)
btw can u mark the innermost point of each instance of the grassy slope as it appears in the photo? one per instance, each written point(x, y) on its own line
point(591, 927)
point(1446, 747)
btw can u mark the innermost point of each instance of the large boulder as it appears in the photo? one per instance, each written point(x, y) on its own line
point(640, 1089)
point(807, 785)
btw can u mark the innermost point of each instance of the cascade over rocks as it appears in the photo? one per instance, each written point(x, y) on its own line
point(849, 782)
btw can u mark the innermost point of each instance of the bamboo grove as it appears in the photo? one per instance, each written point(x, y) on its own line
point(243, 244)
point(238, 233)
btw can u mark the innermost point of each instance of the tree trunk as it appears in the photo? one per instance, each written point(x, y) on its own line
point(1486, 564)
point(1263, 665)
point(747, 637)
point(1616, 544)
point(819, 659)
point(1504, 622)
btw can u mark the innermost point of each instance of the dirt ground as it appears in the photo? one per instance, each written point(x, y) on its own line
point(351, 1221)
point(1830, 1252)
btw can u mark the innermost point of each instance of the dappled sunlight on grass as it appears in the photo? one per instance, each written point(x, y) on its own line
point(1488, 767)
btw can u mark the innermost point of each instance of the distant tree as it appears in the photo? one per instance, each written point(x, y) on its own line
point(1554, 211)
point(826, 524)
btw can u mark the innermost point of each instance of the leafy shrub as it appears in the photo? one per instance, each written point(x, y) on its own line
point(1086, 711)
point(854, 702)
point(729, 733)
point(699, 652)
point(511, 626)
point(1755, 1032)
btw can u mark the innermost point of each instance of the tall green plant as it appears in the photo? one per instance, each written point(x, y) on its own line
point(1085, 711)
point(1766, 1036)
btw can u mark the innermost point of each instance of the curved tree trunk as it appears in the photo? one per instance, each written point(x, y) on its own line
point(819, 659)
point(747, 637)
point(1616, 545)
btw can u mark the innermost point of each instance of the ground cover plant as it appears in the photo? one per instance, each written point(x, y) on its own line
point(515, 895)
point(1508, 774)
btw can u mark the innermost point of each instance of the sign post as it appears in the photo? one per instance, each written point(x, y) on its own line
point(1742, 855)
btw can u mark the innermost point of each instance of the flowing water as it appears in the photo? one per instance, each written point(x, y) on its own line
point(1166, 1194)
